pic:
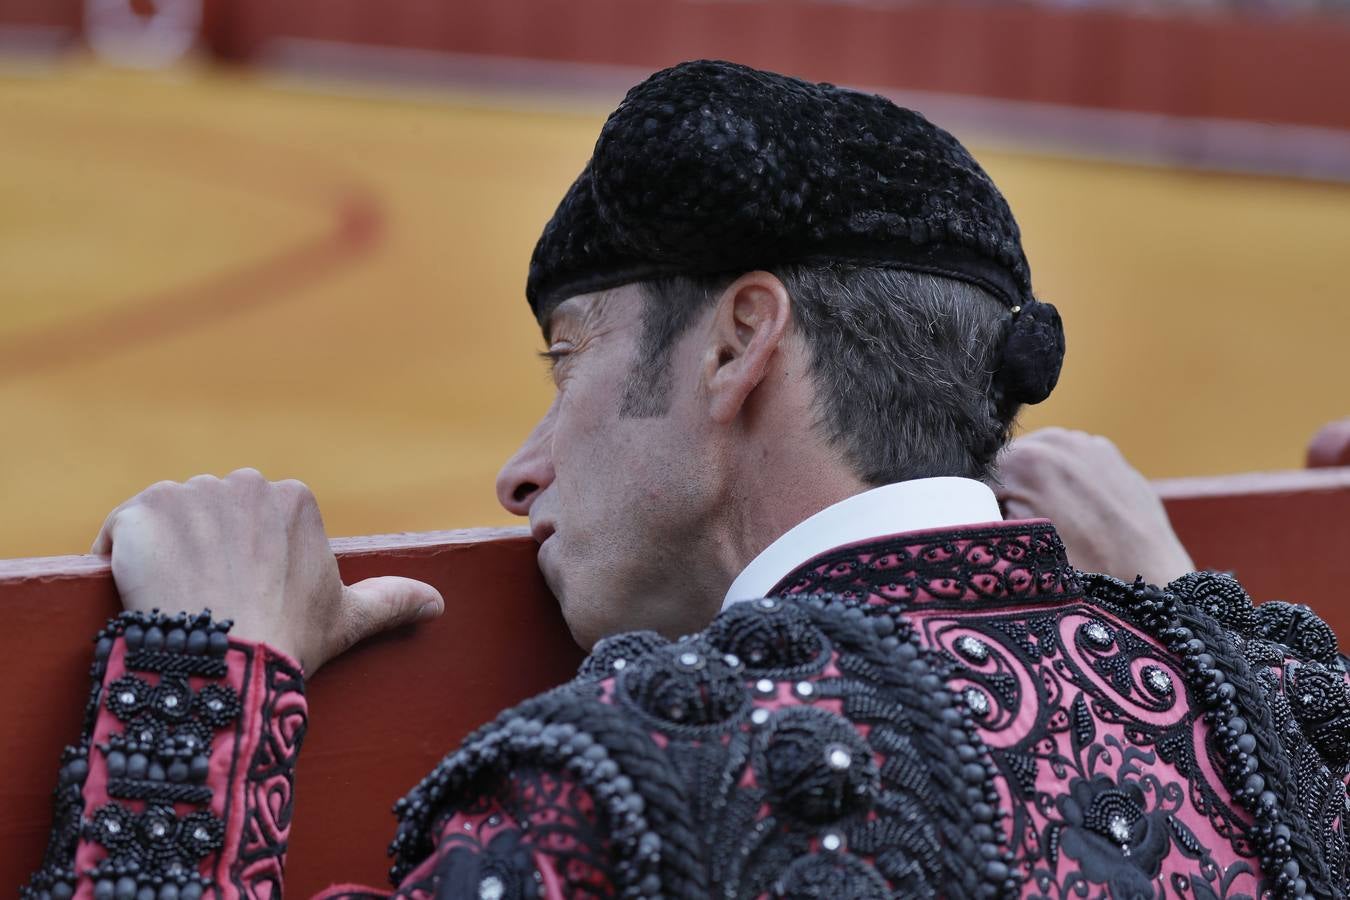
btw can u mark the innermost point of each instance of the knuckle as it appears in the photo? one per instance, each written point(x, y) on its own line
point(295, 488)
point(1036, 461)
point(158, 492)
point(298, 500)
point(248, 476)
point(130, 520)
point(1030, 454)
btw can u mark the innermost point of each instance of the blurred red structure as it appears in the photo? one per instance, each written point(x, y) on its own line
point(384, 713)
point(1256, 68)
point(1218, 66)
point(61, 14)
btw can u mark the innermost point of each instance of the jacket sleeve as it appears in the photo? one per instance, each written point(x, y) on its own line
point(535, 834)
point(181, 783)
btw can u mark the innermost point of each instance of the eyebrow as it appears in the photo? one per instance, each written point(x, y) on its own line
point(551, 322)
point(562, 314)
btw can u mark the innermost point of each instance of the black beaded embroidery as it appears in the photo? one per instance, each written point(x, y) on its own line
point(1320, 699)
point(559, 731)
point(684, 684)
point(786, 640)
point(752, 788)
point(982, 570)
point(1298, 628)
point(614, 653)
point(159, 759)
point(1294, 804)
point(943, 568)
point(819, 770)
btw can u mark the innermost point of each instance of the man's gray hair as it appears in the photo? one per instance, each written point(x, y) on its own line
point(903, 364)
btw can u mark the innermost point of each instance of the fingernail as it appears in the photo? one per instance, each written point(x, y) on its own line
point(429, 611)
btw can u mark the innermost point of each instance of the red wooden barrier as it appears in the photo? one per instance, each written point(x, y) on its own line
point(1223, 65)
point(380, 716)
point(62, 14)
point(383, 714)
point(1284, 534)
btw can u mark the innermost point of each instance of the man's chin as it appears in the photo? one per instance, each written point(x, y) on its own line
point(548, 567)
point(579, 619)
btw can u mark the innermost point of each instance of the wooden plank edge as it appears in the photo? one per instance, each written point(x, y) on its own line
point(429, 543)
point(1247, 484)
point(402, 545)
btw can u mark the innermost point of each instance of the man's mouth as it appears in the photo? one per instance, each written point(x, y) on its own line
point(541, 531)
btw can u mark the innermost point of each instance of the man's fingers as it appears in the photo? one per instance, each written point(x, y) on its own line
point(378, 604)
point(103, 543)
point(1028, 466)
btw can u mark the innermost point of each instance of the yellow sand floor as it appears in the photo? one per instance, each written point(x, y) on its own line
point(200, 271)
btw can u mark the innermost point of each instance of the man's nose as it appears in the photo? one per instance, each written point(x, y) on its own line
point(527, 473)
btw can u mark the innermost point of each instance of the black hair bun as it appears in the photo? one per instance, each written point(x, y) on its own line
point(1032, 354)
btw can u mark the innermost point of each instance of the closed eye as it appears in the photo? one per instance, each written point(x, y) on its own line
point(551, 357)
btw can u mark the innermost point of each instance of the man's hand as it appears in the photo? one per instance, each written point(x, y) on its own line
point(1108, 514)
point(253, 551)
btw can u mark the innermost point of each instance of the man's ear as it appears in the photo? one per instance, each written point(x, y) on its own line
point(749, 324)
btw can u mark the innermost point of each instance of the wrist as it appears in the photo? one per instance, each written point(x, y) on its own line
point(171, 711)
point(1166, 563)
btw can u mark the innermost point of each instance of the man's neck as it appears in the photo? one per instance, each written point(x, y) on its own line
point(891, 509)
point(761, 517)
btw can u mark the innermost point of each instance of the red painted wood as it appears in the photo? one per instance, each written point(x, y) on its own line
point(64, 14)
point(1330, 446)
point(380, 716)
point(1284, 534)
point(383, 714)
point(1249, 67)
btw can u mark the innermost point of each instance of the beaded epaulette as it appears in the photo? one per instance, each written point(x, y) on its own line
point(797, 748)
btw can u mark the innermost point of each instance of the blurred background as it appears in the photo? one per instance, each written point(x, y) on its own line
point(295, 235)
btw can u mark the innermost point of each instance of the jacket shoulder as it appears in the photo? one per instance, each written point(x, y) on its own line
point(808, 747)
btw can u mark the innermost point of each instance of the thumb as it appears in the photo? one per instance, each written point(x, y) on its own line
point(378, 604)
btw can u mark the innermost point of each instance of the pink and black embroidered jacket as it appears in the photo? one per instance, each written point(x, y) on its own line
point(952, 713)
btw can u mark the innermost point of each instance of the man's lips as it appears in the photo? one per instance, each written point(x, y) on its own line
point(541, 531)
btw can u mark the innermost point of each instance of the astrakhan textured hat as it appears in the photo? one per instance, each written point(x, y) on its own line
point(712, 167)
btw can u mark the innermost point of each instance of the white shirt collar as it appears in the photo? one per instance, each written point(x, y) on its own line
point(917, 505)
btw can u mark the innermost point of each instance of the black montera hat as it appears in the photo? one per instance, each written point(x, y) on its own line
point(711, 167)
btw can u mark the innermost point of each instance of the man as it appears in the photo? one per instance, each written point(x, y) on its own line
point(790, 328)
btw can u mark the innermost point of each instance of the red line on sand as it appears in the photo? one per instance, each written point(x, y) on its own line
point(357, 225)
